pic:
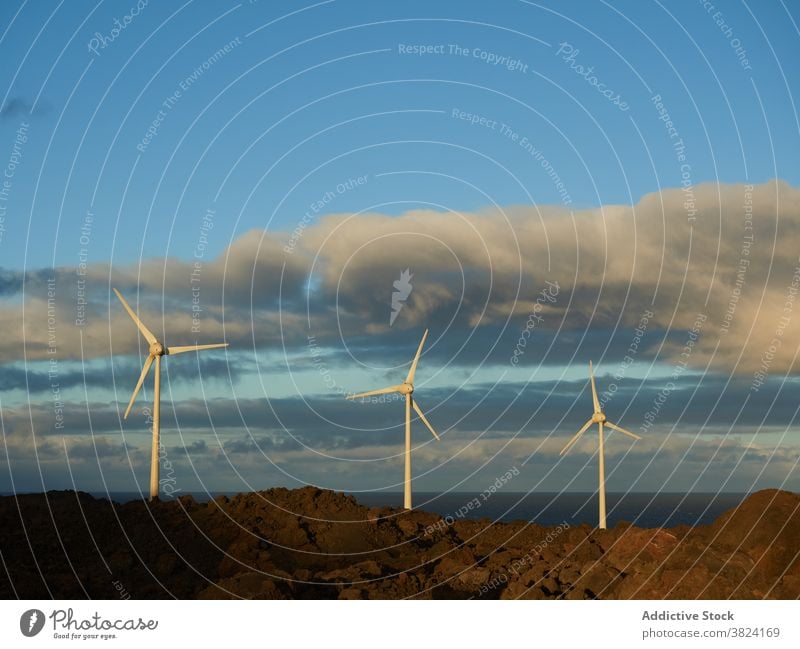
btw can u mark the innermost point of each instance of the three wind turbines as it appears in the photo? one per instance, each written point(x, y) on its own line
point(599, 418)
point(156, 351)
point(406, 388)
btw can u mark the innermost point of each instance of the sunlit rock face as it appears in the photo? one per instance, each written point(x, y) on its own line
point(313, 543)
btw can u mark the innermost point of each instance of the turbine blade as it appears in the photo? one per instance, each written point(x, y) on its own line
point(575, 437)
point(145, 331)
point(193, 348)
point(389, 390)
point(142, 377)
point(594, 389)
point(413, 370)
point(424, 419)
point(622, 430)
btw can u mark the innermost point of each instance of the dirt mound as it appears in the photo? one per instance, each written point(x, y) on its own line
point(314, 543)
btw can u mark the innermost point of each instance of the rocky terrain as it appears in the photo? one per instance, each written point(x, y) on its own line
point(311, 543)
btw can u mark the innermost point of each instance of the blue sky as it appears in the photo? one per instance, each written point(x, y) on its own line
point(470, 142)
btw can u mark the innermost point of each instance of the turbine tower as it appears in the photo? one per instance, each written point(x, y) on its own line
point(156, 351)
point(600, 419)
point(406, 388)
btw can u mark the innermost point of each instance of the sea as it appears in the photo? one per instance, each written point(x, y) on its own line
point(550, 509)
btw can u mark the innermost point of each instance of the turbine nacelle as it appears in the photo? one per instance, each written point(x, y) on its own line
point(157, 349)
point(598, 418)
point(405, 388)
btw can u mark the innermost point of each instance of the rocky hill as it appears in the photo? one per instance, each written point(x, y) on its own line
point(312, 543)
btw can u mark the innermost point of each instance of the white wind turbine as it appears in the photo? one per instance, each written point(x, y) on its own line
point(406, 388)
point(598, 418)
point(156, 351)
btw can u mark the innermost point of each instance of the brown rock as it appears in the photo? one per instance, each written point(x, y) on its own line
point(314, 543)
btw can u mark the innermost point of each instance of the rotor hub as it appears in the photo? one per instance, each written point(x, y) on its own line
point(157, 349)
point(598, 418)
point(406, 388)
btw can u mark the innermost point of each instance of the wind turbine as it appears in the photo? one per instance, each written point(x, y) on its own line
point(156, 351)
point(406, 388)
point(598, 418)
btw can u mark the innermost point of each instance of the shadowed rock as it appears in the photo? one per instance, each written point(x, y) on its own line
point(313, 543)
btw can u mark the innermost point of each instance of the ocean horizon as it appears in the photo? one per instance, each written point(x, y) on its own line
point(647, 510)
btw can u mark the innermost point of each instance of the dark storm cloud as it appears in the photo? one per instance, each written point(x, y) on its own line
point(693, 405)
point(514, 424)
